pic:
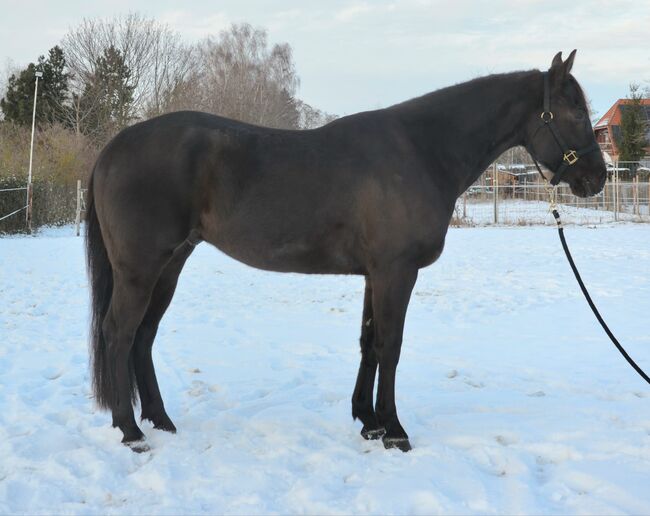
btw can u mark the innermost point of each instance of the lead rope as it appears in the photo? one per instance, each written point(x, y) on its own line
point(552, 195)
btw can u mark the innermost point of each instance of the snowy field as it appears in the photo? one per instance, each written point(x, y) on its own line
point(514, 399)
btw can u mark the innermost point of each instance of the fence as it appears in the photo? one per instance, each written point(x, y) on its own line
point(52, 204)
point(17, 211)
point(503, 196)
point(13, 202)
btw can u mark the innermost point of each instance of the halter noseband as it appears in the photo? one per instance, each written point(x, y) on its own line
point(569, 156)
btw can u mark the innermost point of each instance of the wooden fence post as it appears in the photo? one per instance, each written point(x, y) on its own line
point(464, 205)
point(616, 193)
point(635, 194)
point(78, 215)
point(495, 189)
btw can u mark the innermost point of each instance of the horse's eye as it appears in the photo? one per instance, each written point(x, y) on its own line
point(580, 114)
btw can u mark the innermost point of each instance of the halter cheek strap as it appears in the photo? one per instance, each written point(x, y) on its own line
point(569, 156)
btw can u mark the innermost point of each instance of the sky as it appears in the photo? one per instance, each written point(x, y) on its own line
point(354, 55)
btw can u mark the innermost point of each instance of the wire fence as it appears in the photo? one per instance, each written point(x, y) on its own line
point(13, 213)
point(507, 196)
point(53, 204)
point(5, 216)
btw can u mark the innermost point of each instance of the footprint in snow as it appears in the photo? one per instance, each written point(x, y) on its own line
point(476, 385)
point(198, 389)
point(505, 440)
point(52, 373)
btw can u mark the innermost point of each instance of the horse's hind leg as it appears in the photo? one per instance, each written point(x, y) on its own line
point(131, 294)
point(151, 401)
point(362, 398)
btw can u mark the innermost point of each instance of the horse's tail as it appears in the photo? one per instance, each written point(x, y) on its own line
point(100, 275)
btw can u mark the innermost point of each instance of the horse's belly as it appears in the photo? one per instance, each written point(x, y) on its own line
point(291, 258)
point(302, 255)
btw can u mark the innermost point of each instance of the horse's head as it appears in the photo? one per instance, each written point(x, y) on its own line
point(560, 136)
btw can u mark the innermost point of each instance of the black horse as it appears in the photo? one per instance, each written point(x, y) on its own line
point(369, 194)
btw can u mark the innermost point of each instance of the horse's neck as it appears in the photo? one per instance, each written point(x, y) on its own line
point(464, 128)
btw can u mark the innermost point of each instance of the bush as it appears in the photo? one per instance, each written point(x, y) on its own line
point(61, 157)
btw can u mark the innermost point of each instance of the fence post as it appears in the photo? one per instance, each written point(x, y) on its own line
point(635, 193)
point(465, 205)
point(525, 188)
point(78, 215)
point(30, 202)
point(30, 192)
point(616, 192)
point(495, 189)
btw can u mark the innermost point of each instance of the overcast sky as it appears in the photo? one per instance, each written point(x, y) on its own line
point(353, 55)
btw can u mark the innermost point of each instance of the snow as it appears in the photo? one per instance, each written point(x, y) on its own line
point(514, 399)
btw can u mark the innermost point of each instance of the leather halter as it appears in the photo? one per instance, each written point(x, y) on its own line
point(569, 156)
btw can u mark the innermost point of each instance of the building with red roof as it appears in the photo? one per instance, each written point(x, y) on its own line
point(608, 128)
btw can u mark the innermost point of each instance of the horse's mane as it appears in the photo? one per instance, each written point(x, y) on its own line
point(459, 88)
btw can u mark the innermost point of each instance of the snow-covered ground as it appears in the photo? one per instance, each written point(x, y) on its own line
point(514, 399)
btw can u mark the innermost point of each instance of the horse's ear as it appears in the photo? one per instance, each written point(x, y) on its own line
point(568, 64)
point(557, 60)
point(560, 70)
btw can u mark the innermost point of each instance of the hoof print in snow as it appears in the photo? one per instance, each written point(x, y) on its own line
point(537, 394)
point(140, 446)
point(397, 442)
point(505, 441)
point(476, 385)
point(370, 434)
point(452, 374)
point(52, 373)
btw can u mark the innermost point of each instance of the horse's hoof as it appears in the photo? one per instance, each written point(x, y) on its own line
point(139, 446)
point(400, 443)
point(160, 421)
point(370, 434)
point(166, 426)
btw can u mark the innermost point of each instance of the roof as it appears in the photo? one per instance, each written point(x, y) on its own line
point(613, 115)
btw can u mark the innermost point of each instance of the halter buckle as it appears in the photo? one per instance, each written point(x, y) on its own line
point(570, 157)
point(546, 116)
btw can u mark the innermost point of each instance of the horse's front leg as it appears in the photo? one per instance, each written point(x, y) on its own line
point(391, 293)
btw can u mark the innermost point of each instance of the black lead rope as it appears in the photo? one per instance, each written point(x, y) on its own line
point(609, 333)
point(560, 230)
point(569, 158)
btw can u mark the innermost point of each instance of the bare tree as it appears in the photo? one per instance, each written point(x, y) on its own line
point(311, 117)
point(238, 76)
point(171, 65)
point(154, 54)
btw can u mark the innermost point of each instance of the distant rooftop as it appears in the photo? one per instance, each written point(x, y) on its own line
point(613, 115)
